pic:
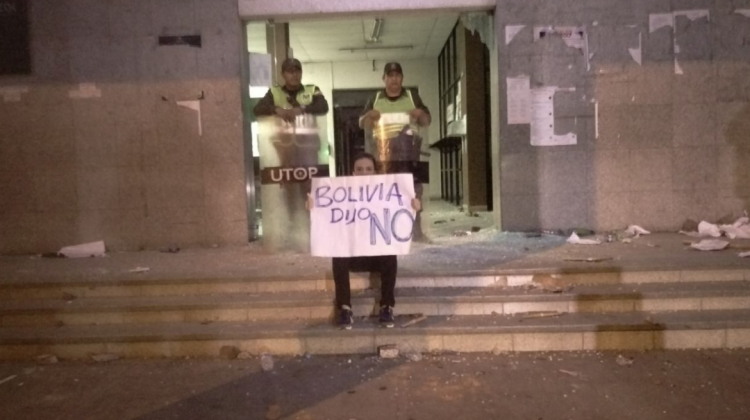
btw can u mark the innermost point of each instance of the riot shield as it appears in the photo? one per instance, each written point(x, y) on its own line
point(290, 154)
point(400, 146)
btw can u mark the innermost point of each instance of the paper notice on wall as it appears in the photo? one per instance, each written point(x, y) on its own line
point(511, 31)
point(519, 100)
point(743, 12)
point(543, 119)
point(85, 91)
point(261, 70)
point(637, 53)
point(659, 20)
point(13, 93)
point(573, 36)
point(195, 105)
point(693, 14)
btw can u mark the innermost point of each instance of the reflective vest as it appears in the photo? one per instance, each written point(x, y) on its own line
point(304, 96)
point(404, 103)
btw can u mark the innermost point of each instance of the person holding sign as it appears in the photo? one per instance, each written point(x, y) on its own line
point(390, 230)
point(396, 117)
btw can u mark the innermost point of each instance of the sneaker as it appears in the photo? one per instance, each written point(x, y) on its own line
point(345, 317)
point(386, 317)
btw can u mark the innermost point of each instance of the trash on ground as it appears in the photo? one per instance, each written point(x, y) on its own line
point(105, 357)
point(636, 231)
point(458, 233)
point(413, 356)
point(47, 359)
point(709, 229)
point(419, 318)
point(623, 361)
point(139, 270)
point(744, 254)
point(627, 241)
point(229, 352)
point(266, 362)
point(580, 232)
point(710, 245)
point(541, 314)
point(388, 351)
point(439, 222)
point(9, 378)
point(575, 239)
point(91, 249)
point(570, 372)
point(475, 229)
point(589, 259)
point(244, 355)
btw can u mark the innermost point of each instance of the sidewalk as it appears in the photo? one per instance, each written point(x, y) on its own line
point(487, 252)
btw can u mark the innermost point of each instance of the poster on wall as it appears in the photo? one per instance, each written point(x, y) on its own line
point(15, 49)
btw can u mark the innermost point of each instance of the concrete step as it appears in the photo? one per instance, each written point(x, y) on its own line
point(428, 301)
point(569, 332)
point(148, 285)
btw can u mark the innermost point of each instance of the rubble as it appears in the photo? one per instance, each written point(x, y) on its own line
point(266, 362)
point(710, 245)
point(576, 240)
point(388, 351)
point(91, 249)
point(623, 361)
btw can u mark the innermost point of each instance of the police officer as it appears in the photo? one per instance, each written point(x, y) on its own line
point(293, 99)
point(401, 150)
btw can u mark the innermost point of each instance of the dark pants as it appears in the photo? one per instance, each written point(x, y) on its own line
point(386, 265)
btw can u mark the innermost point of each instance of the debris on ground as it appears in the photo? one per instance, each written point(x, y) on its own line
point(47, 359)
point(570, 372)
point(266, 362)
point(91, 249)
point(636, 231)
point(497, 351)
point(413, 356)
point(710, 245)
point(172, 249)
point(535, 234)
point(9, 378)
point(623, 361)
point(274, 412)
point(139, 270)
point(576, 240)
point(244, 355)
point(439, 222)
point(589, 259)
point(104, 357)
point(540, 314)
point(475, 229)
point(744, 254)
point(459, 233)
point(229, 352)
point(388, 351)
point(409, 323)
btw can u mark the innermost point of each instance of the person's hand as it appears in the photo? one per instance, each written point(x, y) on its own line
point(373, 115)
point(310, 203)
point(418, 115)
point(416, 204)
point(286, 114)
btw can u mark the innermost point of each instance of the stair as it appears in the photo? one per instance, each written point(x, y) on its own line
point(583, 310)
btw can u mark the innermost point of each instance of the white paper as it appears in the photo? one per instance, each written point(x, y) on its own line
point(261, 70)
point(659, 20)
point(743, 12)
point(744, 254)
point(710, 245)
point(708, 229)
point(693, 14)
point(576, 240)
point(741, 221)
point(195, 105)
point(637, 53)
point(543, 119)
point(733, 232)
point(91, 249)
point(362, 215)
point(519, 100)
point(511, 31)
point(635, 230)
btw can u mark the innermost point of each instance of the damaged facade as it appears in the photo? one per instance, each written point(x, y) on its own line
point(117, 137)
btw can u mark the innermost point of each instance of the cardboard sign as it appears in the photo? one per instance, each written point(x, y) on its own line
point(362, 215)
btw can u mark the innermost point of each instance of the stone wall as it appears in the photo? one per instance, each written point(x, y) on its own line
point(98, 149)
